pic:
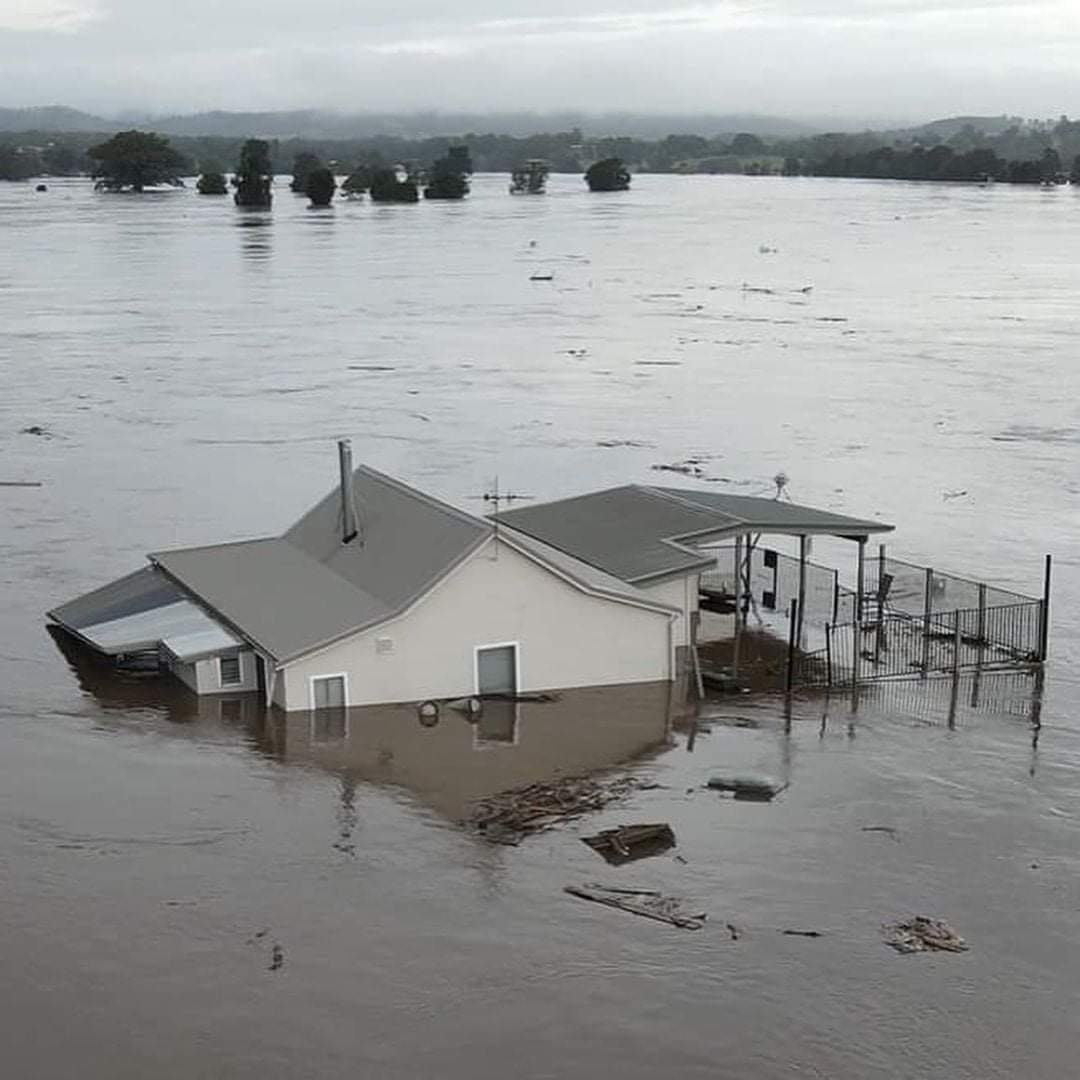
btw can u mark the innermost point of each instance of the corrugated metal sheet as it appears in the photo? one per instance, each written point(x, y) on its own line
point(143, 590)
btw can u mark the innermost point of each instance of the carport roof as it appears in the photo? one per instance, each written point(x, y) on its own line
point(640, 533)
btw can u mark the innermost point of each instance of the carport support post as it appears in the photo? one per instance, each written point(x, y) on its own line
point(802, 589)
point(738, 608)
point(860, 582)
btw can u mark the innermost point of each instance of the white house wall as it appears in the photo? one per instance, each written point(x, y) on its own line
point(681, 593)
point(566, 638)
point(204, 676)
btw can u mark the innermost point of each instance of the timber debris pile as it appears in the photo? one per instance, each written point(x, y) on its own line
point(509, 816)
point(923, 934)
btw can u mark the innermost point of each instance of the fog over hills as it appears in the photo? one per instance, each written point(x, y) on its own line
point(329, 124)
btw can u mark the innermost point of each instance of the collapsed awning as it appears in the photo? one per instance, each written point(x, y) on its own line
point(143, 612)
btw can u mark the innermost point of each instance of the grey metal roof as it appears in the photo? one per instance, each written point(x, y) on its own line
point(275, 595)
point(777, 516)
point(140, 612)
point(586, 577)
point(306, 589)
point(143, 590)
point(640, 533)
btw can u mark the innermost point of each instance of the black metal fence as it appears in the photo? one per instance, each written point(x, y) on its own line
point(892, 644)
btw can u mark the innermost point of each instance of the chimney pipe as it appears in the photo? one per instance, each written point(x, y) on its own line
point(348, 507)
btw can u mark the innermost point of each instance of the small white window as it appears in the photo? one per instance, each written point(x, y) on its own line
point(229, 669)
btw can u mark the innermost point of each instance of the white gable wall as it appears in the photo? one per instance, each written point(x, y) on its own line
point(681, 593)
point(566, 638)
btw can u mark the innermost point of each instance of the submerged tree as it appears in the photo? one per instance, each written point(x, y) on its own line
point(446, 180)
point(135, 160)
point(212, 180)
point(320, 186)
point(386, 186)
point(254, 174)
point(1074, 175)
point(530, 178)
point(357, 182)
point(610, 174)
point(304, 164)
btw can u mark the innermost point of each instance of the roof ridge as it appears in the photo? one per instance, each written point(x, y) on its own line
point(423, 496)
point(211, 547)
point(679, 495)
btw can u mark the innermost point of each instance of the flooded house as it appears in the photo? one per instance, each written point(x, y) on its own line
point(382, 594)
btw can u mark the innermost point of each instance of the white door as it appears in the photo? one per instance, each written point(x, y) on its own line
point(496, 670)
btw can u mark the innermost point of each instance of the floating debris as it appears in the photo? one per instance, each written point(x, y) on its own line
point(20, 483)
point(630, 842)
point(803, 933)
point(610, 444)
point(923, 934)
point(542, 275)
point(36, 429)
point(509, 816)
point(889, 830)
point(946, 495)
point(277, 958)
point(759, 788)
point(684, 468)
point(648, 903)
point(372, 367)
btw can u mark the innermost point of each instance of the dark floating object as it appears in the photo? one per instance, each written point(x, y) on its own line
point(277, 958)
point(802, 933)
point(630, 842)
point(20, 483)
point(889, 830)
point(542, 275)
point(648, 903)
point(41, 187)
point(759, 788)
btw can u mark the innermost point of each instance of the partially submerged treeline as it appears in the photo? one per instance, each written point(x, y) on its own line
point(1007, 150)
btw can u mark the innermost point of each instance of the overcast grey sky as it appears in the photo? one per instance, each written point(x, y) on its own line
point(895, 59)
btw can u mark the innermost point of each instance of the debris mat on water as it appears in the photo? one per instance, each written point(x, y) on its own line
point(923, 934)
point(648, 903)
point(630, 842)
point(761, 788)
point(509, 816)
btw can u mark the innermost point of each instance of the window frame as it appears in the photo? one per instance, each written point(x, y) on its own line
point(478, 649)
point(231, 684)
point(313, 679)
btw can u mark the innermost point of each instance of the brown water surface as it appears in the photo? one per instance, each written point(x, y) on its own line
point(200, 889)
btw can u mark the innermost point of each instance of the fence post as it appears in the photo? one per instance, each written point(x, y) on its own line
point(957, 642)
point(928, 605)
point(793, 614)
point(1044, 613)
point(828, 654)
point(981, 629)
point(835, 595)
point(856, 657)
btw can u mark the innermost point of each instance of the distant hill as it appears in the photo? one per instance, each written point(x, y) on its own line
point(947, 128)
point(52, 118)
point(325, 124)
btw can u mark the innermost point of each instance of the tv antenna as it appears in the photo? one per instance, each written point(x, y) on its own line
point(497, 499)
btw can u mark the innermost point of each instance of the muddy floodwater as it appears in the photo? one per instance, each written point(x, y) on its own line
point(200, 889)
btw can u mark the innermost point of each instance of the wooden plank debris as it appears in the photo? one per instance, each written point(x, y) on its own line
point(630, 842)
point(649, 903)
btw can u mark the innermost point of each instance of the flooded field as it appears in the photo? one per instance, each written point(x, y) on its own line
point(198, 889)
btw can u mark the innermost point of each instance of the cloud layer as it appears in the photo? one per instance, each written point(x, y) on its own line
point(890, 58)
